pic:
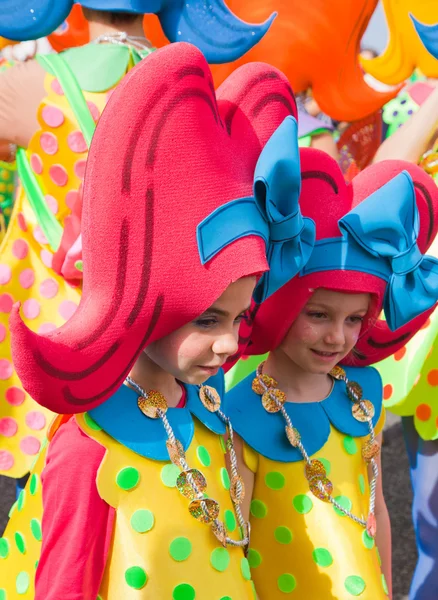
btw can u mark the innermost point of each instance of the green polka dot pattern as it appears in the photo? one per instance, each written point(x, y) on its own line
point(91, 423)
point(275, 480)
point(13, 507)
point(180, 549)
point(362, 484)
point(20, 542)
point(21, 500)
point(226, 598)
point(378, 557)
point(254, 558)
point(283, 535)
point(230, 520)
point(183, 591)
point(245, 570)
point(4, 548)
point(302, 504)
point(322, 557)
point(220, 559)
point(286, 583)
point(142, 521)
point(326, 463)
point(354, 585)
point(223, 445)
point(128, 478)
point(169, 475)
point(203, 456)
point(136, 577)
point(2, 595)
point(259, 509)
point(367, 540)
point(345, 503)
point(384, 585)
point(35, 527)
point(225, 478)
point(22, 582)
point(33, 484)
point(350, 445)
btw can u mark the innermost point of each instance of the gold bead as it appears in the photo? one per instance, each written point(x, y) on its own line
point(269, 404)
point(153, 404)
point(220, 532)
point(210, 398)
point(176, 451)
point(363, 415)
point(354, 391)
point(327, 488)
point(237, 489)
point(184, 486)
point(205, 511)
point(315, 469)
point(293, 435)
point(370, 451)
point(337, 373)
point(257, 385)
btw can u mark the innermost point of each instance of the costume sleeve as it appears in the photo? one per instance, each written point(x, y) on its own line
point(77, 524)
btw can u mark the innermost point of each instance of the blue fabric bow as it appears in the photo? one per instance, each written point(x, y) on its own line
point(273, 214)
point(386, 226)
point(428, 34)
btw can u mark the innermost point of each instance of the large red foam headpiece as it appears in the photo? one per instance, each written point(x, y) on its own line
point(326, 198)
point(166, 153)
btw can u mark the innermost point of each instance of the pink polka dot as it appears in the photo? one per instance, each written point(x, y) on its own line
point(109, 94)
point(49, 143)
point(49, 288)
point(8, 427)
point(67, 309)
point(6, 369)
point(80, 168)
point(39, 236)
point(6, 303)
point(95, 113)
point(5, 274)
point(46, 328)
point(2, 332)
point(31, 308)
point(6, 460)
point(20, 249)
point(36, 163)
point(52, 204)
point(58, 175)
point(21, 222)
point(15, 396)
point(27, 278)
point(52, 116)
point(76, 142)
point(71, 198)
point(30, 445)
point(46, 257)
point(56, 87)
point(35, 420)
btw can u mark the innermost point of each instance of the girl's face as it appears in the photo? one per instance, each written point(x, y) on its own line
point(196, 351)
point(326, 330)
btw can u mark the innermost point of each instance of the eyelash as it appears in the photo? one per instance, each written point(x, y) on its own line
point(206, 323)
point(319, 315)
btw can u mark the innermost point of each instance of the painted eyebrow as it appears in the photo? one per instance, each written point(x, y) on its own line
point(329, 308)
point(222, 313)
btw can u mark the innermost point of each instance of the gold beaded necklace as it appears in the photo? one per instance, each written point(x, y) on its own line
point(191, 483)
point(273, 400)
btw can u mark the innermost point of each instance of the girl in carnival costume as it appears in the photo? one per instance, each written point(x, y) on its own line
point(317, 511)
point(49, 108)
point(172, 243)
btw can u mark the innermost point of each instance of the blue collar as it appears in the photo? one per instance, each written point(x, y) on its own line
point(121, 418)
point(265, 432)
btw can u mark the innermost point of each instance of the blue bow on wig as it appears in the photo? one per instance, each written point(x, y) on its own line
point(428, 35)
point(272, 213)
point(210, 26)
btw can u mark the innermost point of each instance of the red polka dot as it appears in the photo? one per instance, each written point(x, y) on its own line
point(426, 324)
point(423, 412)
point(71, 198)
point(15, 396)
point(67, 309)
point(76, 142)
point(6, 303)
point(31, 308)
point(52, 116)
point(35, 420)
point(80, 168)
point(49, 143)
point(95, 113)
point(49, 288)
point(20, 249)
point(58, 175)
point(2, 332)
point(56, 87)
point(46, 257)
point(6, 460)
point(400, 353)
point(5, 274)
point(52, 203)
point(6, 369)
point(432, 377)
point(36, 163)
point(46, 328)
point(30, 445)
point(26, 278)
point(21, 222)
point(8, 427)
point(387, 391)
point(39, 236)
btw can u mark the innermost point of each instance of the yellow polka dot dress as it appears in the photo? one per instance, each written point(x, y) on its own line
point(301, 547)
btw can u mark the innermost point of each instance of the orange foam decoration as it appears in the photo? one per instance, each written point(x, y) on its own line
point(405, 51)
point(5, 42)
point(73, 32)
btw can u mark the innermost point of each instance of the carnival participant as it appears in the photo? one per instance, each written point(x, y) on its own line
point(312, 428)
point(173, 243)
